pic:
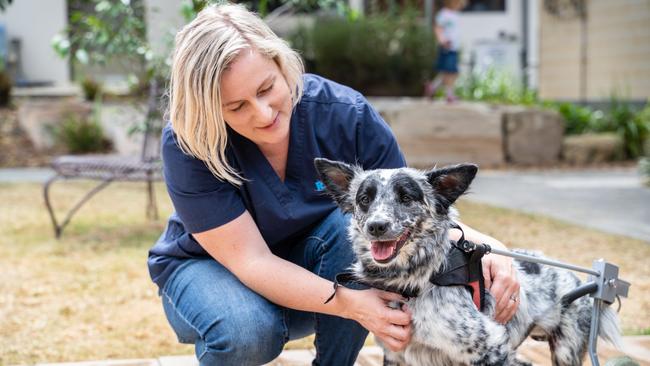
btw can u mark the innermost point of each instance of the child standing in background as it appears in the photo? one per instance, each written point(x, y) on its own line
point(447, 34)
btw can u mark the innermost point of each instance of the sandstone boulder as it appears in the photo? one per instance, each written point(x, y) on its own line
point(532, 136)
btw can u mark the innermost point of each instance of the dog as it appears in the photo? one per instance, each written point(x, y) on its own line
point(399, 225)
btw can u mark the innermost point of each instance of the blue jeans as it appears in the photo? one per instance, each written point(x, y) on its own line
point(447, 61)
point(232, 325)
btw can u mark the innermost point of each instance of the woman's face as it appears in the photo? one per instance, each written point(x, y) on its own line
point(256, 101)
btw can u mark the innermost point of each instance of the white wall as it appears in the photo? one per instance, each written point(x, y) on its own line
point(533, 42)
point(477, 27)
point(35, 22)
point(163, 19)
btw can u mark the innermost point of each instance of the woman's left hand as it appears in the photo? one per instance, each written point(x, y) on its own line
point(499, 274)
point(501, 279)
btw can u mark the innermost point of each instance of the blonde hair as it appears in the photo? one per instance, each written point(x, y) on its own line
point(203, 50)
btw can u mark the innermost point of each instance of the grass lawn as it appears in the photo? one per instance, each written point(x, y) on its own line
point(88, 296)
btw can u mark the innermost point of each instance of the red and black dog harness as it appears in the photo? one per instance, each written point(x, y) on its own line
point(464, 268)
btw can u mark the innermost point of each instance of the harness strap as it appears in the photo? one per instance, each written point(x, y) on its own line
point(464, 268)
point(348, 277)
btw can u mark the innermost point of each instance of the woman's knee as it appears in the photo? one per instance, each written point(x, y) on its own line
point(228, 322)
point(242, 340)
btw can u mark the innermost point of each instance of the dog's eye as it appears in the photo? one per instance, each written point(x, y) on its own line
point(364, 200)
point(405, 199)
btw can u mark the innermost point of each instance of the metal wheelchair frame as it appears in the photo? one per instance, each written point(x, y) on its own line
point(603, 285)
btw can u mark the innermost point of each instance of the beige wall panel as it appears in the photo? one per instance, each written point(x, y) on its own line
point(618, 52)
point(619, 49)
point(559, 57)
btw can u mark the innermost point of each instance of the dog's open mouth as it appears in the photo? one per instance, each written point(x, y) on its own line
point(384, 251)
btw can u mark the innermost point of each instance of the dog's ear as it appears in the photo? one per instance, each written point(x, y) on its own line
point(451, 182)
point(337, 177)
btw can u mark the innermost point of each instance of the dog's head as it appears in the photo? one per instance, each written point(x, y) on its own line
point(393, 209)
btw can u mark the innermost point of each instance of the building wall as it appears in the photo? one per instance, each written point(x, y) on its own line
point(485, 27)
point(618, 52)
point(476, 26)
point(35, 22)
point(163, 19)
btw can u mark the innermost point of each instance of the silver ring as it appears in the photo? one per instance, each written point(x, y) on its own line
point(514, 297)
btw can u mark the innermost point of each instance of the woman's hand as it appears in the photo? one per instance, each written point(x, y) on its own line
point(501, 279)
point(370, 308)
point(499, 274)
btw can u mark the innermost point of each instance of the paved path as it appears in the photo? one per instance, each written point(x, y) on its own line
point(18, 175)
point(612, 200)
point(637, 347)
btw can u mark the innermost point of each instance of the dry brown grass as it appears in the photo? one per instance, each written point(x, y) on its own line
point(88, 296)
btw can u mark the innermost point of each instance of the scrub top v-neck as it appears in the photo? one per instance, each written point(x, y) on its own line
point(330, 121)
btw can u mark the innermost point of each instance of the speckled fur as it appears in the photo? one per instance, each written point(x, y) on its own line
point(448, 329)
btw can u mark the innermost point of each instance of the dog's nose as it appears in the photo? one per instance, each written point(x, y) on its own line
point(377, 228)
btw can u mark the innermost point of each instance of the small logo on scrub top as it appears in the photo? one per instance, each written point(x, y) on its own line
point(319, 186)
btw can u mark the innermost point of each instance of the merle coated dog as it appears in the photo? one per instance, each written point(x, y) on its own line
point(399, 226)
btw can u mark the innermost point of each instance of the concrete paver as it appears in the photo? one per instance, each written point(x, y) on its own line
point(130, 362)
point(185, 360)
point(636, 347)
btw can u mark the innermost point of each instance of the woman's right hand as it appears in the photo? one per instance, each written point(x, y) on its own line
point(370, 308)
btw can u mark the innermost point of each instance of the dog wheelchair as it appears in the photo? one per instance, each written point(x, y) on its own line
point(603, 285)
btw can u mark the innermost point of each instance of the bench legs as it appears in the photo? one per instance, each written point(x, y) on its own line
point(58, 228)
point(152, 209)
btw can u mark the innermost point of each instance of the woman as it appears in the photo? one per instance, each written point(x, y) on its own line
point(247, 260)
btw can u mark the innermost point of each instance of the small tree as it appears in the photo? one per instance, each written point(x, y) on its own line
point(91, 37)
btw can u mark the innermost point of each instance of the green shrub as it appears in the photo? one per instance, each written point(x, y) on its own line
point(91, 89)
point(494, 86)
point(633, 126)
point(377, 55)
point(579, 119)
point(642, 119)
point(82, 135)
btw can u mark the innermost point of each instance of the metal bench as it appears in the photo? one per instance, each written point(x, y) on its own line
point(112, 168)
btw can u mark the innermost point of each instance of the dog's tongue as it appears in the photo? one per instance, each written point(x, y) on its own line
point(382, 250)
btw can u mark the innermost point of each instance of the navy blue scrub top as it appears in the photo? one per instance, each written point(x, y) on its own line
point(331, 121)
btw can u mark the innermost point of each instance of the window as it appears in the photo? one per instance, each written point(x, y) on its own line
point(485, 5)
